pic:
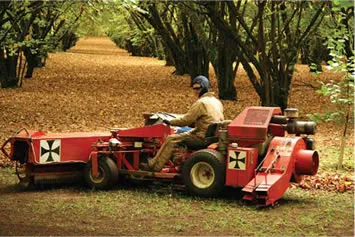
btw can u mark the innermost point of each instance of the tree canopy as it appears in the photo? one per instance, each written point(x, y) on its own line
point(31, 29)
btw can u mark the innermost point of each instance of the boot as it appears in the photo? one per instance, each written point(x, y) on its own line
point(145, 167)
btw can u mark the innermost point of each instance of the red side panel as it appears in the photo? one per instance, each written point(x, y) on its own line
point(64, 147)
point(252, 123)
point(241, 164)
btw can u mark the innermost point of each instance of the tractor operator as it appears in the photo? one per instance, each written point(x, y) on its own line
point(205, 111)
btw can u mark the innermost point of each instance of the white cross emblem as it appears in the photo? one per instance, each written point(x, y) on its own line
point(237, 160)
point(49, 151)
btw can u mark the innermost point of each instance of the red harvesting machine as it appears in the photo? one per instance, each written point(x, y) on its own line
point(261, 151)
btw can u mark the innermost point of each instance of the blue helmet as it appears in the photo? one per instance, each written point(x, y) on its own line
point(203, 81)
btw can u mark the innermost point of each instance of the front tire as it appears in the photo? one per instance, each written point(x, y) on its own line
point(107, 177)
point(204, 173)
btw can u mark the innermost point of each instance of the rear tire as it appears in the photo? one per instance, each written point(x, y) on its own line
point(204, 173)
point(108, 174)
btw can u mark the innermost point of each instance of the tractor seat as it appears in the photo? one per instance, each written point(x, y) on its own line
point(211, 136)
point(195, 145)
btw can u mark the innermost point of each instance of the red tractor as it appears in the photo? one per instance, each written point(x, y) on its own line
point(261, 151)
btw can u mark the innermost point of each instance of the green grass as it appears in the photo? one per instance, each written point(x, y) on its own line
point(158, 209)
point(329, 155)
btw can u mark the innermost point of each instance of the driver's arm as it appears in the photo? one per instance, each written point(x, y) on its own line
point(190, 117)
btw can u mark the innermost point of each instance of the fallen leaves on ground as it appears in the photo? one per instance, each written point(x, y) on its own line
point(329, 182)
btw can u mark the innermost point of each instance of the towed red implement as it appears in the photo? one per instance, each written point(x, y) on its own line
point(261, 151)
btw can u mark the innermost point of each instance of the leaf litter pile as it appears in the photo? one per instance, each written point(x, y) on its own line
point(326, 181)
point(95, 86)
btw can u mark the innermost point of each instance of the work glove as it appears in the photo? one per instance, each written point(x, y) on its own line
point(167, 122)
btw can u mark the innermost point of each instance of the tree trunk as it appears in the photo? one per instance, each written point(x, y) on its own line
point(318, 52)
point(225, 53)
point(171, 46)
point(8, 68)
point(197, 58)
point(341, 154)
point(343, 138)
point(280, 94)
point(169, 59)
point(69, 40)
point(225, 72)
point(33, 61)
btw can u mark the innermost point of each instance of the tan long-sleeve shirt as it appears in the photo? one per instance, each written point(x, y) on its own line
point(205, 111)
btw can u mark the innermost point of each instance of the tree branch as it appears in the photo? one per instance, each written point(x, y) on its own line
point(233, 9)
point(314, 19)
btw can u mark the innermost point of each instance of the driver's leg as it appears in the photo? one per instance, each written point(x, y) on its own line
point(165, 151)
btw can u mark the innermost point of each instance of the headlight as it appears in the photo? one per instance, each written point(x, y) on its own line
point(114, 142)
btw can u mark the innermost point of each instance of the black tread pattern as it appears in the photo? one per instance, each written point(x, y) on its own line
point(110, 169)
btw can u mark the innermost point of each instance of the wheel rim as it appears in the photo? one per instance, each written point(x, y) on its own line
point(100, 177)
point(202, 175)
